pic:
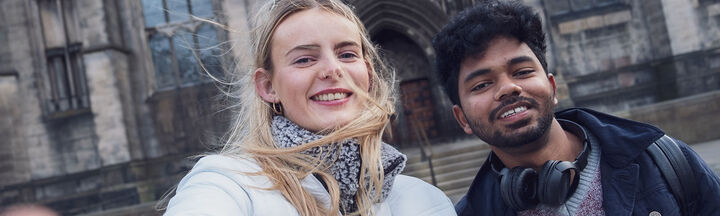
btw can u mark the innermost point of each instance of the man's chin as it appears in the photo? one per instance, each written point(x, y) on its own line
point(518, 125)
point(514, 138)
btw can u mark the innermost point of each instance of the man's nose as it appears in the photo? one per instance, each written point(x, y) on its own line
point(507, 88)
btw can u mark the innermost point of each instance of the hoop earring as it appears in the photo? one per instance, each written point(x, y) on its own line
point(277, 108)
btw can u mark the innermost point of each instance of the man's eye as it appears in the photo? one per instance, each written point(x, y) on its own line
point(480, 86)
point(523, 72)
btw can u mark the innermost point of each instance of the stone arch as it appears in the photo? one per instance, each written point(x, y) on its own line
point(417, 19)
point(404, 30)
point(415, 104)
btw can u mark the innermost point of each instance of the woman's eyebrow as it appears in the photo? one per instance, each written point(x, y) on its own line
point(345, 44)
point(303, 47)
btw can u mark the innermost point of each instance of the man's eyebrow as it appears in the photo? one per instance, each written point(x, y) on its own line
point(303, 47)
point(476, 73)
point(518, 60)
point(480, 72)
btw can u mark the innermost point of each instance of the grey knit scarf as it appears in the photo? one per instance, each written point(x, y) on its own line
point(346, 169)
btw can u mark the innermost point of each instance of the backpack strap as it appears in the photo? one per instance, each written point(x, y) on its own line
point(677, 171)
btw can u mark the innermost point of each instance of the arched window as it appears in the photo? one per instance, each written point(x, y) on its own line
point(557, 7)
point(178, 38)
point(64, 84)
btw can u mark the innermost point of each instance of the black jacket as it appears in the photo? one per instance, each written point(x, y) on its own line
point(631, 182)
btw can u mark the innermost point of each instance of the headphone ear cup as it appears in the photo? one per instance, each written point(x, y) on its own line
point(518, 187)
point(554, 182)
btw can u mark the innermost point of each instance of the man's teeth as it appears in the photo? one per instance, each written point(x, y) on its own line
point(513, 111)
point(330, 96)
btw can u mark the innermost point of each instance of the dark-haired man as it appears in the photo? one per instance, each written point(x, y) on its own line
point(491, 59)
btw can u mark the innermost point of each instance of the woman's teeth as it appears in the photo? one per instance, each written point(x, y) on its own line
point(513, 112)
point(330, 96)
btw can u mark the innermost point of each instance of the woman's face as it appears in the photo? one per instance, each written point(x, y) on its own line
point(312, 52)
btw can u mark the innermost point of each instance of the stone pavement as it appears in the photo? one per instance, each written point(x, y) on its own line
point(710, 152)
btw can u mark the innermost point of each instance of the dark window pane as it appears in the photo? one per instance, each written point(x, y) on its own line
point(187, 65)
point(557, 6)
point(154, 13)
point(604, 2)
point(209, 50)
point(70, 24)
point(202, 8)
point(59, 74)
point(80, 81)
point(581, 4)
point(5, 54)
point(52, 24)
point(178, 10)
point(160, 48)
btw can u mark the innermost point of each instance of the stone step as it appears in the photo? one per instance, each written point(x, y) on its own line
point(458, 191)
point(453, 175)
point(450, 159)
point(446, 149)
point(440, 170)
point(456, 183)
point(456, 194)
point(455, 166)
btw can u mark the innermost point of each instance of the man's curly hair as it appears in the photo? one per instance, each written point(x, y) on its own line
point(469, 33)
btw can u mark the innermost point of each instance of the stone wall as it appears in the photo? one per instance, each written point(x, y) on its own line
point(12, 156)
point(626, 54)
point(691, 119)
point(132, 146)
point(591, 46)
point(81, 162)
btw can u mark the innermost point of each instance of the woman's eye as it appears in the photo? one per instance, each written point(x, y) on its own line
point(302, 60)
point(347, 55)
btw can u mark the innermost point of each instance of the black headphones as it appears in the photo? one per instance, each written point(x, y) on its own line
point(523, 188)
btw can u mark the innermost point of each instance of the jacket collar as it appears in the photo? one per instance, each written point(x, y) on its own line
point(622, 140)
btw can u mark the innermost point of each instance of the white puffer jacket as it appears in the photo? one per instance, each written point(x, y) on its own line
point(217, 185)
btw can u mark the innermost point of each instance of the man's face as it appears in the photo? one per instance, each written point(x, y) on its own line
point(506, 97)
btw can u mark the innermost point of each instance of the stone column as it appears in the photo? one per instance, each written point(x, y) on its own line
point(106, 68)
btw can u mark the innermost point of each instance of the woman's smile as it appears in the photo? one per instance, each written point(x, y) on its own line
point(316, 74)
point(332, 96)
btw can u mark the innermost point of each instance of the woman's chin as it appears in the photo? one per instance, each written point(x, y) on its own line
point(330, 123)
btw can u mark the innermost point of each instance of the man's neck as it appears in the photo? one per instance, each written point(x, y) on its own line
point(556, 144)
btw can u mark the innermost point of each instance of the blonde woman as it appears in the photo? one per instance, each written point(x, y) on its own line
point(307, 140)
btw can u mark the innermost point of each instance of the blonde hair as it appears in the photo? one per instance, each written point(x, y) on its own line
point(251, 133)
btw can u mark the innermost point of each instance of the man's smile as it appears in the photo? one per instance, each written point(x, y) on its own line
point(512, 108)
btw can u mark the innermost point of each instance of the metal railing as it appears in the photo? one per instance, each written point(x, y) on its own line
point(425, 147)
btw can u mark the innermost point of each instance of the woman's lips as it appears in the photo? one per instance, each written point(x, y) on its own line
point(333, 96)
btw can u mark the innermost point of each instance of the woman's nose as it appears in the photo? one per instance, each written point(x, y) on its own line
point(333, 69)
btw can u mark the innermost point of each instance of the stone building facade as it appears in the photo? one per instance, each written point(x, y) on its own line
point(618, 54)
point(91, 119)
point(103, 101)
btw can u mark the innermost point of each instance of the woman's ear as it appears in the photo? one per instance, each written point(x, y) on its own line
point(263, 85)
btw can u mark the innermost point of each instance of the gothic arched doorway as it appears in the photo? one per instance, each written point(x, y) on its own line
point(415, 110)
point(404, 30)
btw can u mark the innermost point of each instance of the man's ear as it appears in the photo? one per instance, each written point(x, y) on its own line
point(551, 78)
point(263, 85)
point(461, 120)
